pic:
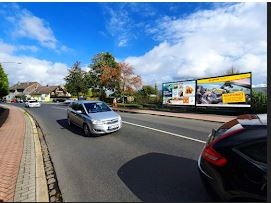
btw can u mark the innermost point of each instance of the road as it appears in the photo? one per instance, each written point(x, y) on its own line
point(151, 158)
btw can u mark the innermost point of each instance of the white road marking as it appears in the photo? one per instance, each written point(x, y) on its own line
point(162, 131)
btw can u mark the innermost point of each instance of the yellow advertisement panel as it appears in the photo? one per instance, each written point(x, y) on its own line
point(234, 97)
point(225, 91)
point(224, 78)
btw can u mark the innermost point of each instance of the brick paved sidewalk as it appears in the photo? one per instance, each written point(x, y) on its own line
point(206, 117)
point(11, 149)
point(22, 176)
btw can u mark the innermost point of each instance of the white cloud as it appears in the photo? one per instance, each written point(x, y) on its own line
point(122, 42)
point(33, 69)
point(206, 43)
point(35, 28)
point(23, 24)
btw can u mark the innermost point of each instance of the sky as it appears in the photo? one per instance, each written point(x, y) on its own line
point(162, 41)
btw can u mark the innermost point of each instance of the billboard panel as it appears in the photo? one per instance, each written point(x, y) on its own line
point(224, 91)
point(179, 93)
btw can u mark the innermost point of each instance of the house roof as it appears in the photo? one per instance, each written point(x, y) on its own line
point(45, 89)
point(22, 85)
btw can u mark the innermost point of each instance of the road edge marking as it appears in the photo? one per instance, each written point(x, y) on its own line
point(162, 131)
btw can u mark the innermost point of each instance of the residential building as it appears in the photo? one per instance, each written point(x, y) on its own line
point(21, 89)
point(50, 93)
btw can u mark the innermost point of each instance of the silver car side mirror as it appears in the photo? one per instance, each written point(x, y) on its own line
point(79, 111)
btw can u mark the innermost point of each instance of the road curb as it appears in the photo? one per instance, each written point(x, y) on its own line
point(53, 191)
point(41, 183)
point(131, 111)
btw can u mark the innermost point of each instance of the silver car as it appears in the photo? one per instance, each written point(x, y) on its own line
point(94, 117)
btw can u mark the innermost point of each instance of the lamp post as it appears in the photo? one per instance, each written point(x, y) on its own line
point(10, 62)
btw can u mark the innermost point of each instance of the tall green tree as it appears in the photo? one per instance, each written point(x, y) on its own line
point(3, 82)
point(106, 71)
point(147, 90)
point(77, 80)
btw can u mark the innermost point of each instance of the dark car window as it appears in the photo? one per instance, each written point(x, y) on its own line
point(80, 107)
point(256, 151)
point(96, 107)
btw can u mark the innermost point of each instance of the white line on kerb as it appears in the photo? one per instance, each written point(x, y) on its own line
point(162, 131)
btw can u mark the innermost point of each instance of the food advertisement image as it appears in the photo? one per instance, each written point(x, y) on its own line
point(225, 91)
point(179, 93)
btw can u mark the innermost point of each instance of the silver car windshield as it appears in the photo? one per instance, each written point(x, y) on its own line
point(96, 107)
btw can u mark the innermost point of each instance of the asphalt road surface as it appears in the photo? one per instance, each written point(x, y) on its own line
point(152, 158)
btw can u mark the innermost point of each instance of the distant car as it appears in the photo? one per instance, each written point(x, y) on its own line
point(234, 159)
point(68, 101)
point(32, 103)
point(94, 117)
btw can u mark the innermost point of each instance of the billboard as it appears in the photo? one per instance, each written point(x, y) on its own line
point(224, 91)
point(179, 93)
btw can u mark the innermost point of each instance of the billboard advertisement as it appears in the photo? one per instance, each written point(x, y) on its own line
point(224, 91)
point(179, 93)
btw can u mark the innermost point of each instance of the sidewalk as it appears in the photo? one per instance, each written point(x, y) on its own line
point(20, 174)
point(205, 117)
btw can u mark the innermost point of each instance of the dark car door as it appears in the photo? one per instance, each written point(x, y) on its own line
point(252, 167)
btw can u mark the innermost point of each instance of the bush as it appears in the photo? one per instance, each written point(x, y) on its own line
point(258, 102)
point(133, 106)
point(152, 106)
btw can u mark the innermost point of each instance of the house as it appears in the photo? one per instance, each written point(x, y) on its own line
point(21, 90)
point(50, 93)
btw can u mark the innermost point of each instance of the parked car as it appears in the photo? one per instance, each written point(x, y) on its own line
point(234, 159)
point(32, 103)
point(94, 117)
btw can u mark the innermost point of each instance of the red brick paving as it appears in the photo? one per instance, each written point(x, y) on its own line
point(11, 149)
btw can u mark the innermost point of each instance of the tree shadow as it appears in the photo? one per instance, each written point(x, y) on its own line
point(160, 177)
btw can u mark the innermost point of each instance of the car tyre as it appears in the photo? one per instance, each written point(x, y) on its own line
point(86, 130)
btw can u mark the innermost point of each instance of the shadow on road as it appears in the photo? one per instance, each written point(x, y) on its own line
point(160, 177)
point(74, 129)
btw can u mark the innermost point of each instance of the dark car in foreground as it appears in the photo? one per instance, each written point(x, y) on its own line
point(233, 162)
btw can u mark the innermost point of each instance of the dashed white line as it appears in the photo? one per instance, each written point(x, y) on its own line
point(162, 131)
point(154, 129)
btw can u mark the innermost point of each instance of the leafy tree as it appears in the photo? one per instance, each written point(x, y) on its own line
point(128, 80)
point(106, 71)
point(258, 102)
point(3, 82)
point(147, 90)
point(77, 80)
point(156, 89)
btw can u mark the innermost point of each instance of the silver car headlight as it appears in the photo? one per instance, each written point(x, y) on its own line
point(97, 122)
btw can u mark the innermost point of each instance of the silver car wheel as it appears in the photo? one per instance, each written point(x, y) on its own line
point(86, 130)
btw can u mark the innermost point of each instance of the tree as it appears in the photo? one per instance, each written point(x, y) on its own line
point(231, 71)
point(128, 80)
point(156, 89)
point(77, 80)
point(147, 90)
point(3, 82)
point(106, 71)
